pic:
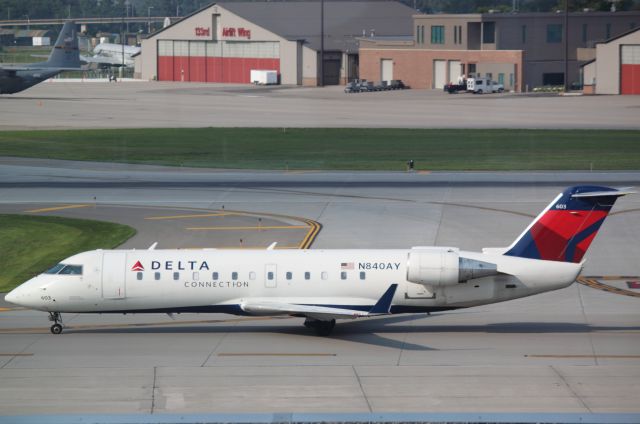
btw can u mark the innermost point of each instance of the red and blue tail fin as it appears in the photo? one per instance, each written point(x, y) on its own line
point(566, 228)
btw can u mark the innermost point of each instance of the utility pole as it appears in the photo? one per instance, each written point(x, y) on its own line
point(321, 43)
point(566, 46)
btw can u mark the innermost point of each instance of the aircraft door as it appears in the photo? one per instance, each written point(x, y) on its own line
point(113, 274)
point(270, 276)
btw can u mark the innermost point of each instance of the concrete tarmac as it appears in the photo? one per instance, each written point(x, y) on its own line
point(59, 104)
point(573, 350)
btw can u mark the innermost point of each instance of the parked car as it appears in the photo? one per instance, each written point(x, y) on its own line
point(352, 87)
point(497, 87)
point(398, 85)
point(455, 88)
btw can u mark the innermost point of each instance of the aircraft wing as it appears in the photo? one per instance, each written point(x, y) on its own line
point(382, 307)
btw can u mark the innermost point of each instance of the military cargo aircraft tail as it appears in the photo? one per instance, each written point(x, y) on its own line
point(65, 53)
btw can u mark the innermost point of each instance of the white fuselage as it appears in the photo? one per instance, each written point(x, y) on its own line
point(225, 280)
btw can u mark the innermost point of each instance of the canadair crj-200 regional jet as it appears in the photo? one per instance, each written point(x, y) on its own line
point(324, 285)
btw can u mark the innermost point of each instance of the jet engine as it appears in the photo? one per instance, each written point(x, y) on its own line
point(443, 266)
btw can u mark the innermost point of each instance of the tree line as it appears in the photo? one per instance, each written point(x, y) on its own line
point(37, 9)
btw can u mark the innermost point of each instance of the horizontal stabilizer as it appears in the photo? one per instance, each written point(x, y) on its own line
point(617, 193)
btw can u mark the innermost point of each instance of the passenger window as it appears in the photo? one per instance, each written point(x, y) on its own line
point(176, 275)
point(156, 275)
point(234, 275)
point(307, 275)
point(139, 275)
point(270, 275)
point(196, 276)
point(215, 275)
point(252, 275)
point(343, 275)
point(363, 275)
point(324, 275)
point(289, 276)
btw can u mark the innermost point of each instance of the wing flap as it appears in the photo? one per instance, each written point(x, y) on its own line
point(267, 308)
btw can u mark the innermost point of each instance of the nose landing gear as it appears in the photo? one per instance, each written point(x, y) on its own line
point(56, 328)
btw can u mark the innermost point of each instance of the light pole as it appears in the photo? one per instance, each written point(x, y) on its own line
point(321, 43)
point(566, 46)
point(149, 19)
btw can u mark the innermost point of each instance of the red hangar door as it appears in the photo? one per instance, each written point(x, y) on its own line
point(630, 69)
point(215, 61)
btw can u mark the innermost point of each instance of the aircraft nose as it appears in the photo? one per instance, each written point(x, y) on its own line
point(12, 296)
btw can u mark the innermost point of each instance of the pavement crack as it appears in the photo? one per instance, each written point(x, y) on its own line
point(213, 350)
point(153, 390)
point(364, 395)
point(568, 386)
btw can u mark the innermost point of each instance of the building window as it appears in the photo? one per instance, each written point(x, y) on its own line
point(501, 78)
point(460, 34)
point(455, 34)
point(176, 276)
point(584, 33)
point(553, 78)
point(418, 34)
point(343, 275)
point(437, 34)
point(488, 32)
point(215, 275)
point(422, 34)
point(156, 275)
point(139, 275)
point(608, 31)
point(289, 275)
point(554, 33)
point(234, 275)
point(307, 275)
point(363, 275)
point(510, 80)
point(524, 34)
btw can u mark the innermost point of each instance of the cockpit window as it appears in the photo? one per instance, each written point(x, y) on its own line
point(63, 269)
point(56, 269)
point(72, 270)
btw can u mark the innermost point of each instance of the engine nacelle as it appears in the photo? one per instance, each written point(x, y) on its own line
point(443, 266)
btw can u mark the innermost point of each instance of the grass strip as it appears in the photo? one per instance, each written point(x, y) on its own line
point(30, 245)
point(336, 148)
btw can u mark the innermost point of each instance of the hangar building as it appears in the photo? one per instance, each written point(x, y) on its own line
point(616, 68)
point(223, 42)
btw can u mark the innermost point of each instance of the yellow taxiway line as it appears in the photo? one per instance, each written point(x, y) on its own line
point(57, 208)
point(263, 227)
point(205, 215)
point(594, 284)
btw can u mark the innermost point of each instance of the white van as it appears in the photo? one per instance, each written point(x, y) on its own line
point(480, 85)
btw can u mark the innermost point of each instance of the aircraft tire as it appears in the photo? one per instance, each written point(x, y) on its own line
point(56, 329)
point(324, 328)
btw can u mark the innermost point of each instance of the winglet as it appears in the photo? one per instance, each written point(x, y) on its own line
point(272, 245)
point(153, 246)
point(383, 305)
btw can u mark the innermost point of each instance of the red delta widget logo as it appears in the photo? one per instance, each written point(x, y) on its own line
point(137, 267)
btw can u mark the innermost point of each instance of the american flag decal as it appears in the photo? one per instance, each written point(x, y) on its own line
point(346, 265)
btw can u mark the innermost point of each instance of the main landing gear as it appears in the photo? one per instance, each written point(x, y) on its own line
point(322, 328)
point(56, 328)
